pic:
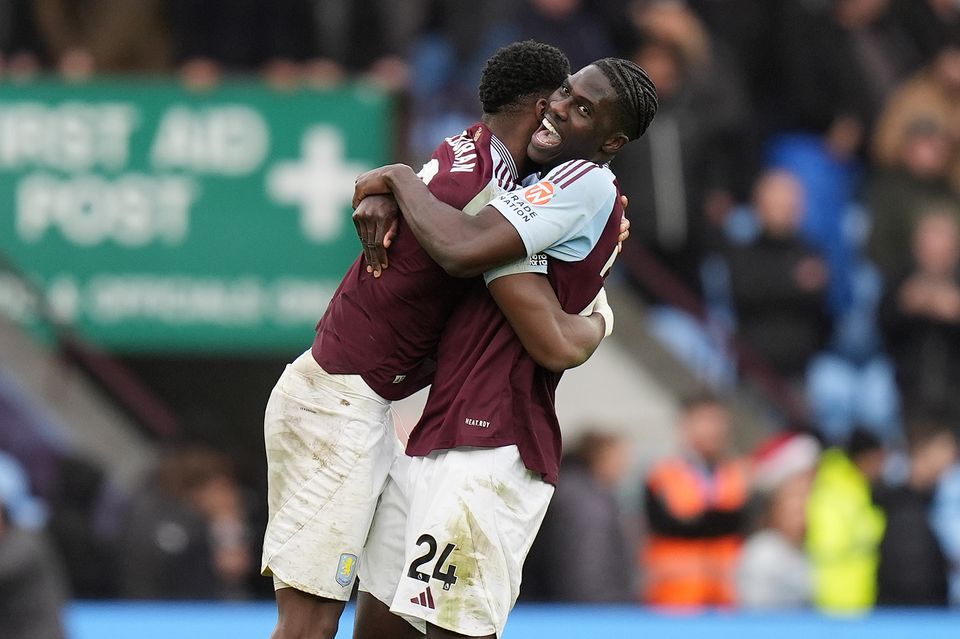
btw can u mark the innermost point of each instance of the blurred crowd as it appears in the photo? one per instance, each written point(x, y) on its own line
point(802, 178)
point(801, 182)
point(796, 524)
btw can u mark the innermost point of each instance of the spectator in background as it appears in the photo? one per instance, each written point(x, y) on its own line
point(582, 540)
point(86, 553)
point(217, 36)
point(569, 25)
point(32, 588)
point(694, 162)
point(933, 95)
point(897, 197)
point(18, 39)
point(778, 282)
point(774, 570)
point(945, 519)
point(840, 60)
point(930, 23)
point(387, 29)
point(446, 65)
point(290, 41)
point(82, 37)
point(695, 504)
point(913, 568)
point(746, 28)
point(844, 526)
point(921, 319)
point(186, 536)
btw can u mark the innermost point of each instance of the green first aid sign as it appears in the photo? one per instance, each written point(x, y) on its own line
point(158, 219)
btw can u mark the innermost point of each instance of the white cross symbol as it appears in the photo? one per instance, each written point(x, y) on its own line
point(320, 183)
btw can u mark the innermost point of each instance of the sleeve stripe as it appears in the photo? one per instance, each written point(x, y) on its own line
point(503, 173)
point(505, 157)
point(567, 170)
point(577, 176)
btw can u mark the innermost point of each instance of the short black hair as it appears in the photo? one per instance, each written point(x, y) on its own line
point(518, 71)
point(636, 94)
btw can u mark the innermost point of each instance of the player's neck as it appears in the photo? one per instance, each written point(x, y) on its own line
point(515, 134)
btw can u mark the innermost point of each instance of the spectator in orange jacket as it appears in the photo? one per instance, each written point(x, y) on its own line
point(695, 506)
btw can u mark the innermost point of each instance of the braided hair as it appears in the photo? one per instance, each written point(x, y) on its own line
point(518, 71)
point(636, 94)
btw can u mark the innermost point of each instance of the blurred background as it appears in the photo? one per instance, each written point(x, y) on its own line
point(772, 425)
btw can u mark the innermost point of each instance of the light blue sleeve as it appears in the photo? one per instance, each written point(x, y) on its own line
point(564, 214)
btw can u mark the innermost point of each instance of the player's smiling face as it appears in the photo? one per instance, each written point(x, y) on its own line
point(578, 120)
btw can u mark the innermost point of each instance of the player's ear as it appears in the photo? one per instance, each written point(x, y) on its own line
point(614, 143)
point(541, 107)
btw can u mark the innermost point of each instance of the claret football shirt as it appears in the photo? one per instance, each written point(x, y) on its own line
point(387, 329)
point(487, 390)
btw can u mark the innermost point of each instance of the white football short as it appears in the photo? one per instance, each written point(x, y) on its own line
point(330, 444)
point(456, 526)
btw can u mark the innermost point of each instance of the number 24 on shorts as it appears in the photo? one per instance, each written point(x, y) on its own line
point(448, 578)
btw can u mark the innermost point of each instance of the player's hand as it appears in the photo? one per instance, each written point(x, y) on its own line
point(374, 182)
point(376, 219)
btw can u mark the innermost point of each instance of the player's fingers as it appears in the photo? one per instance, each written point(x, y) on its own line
point(624, 202)
point(360, 221)
point(370, 259)
point(374, 246)
point(380, 255)
point(390, 234)
point(379, 248)
point(358, 225)
point(624, 229)
point(357, 192)
point(370, 183)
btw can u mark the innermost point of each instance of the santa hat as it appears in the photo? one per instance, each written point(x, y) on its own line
point(783, 456)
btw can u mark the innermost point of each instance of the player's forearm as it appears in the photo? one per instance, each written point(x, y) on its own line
point(562, 342)
point(580, 337)
point(463, 245)
point(554, 339)
point(439, 228)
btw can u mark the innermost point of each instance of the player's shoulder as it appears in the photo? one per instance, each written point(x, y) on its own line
point(462, 167)
point(468, 151)
point(581, 174)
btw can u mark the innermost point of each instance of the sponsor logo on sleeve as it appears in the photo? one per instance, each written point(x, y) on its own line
point(540, 193)
point(517, 204)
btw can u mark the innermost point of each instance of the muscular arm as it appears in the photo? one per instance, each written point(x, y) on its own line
point(463, 245)
point(554, 339)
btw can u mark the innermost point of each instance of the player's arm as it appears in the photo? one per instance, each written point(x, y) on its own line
point(463, 245)
point(554, 338)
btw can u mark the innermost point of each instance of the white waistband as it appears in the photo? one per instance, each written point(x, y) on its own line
point(352, 385)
